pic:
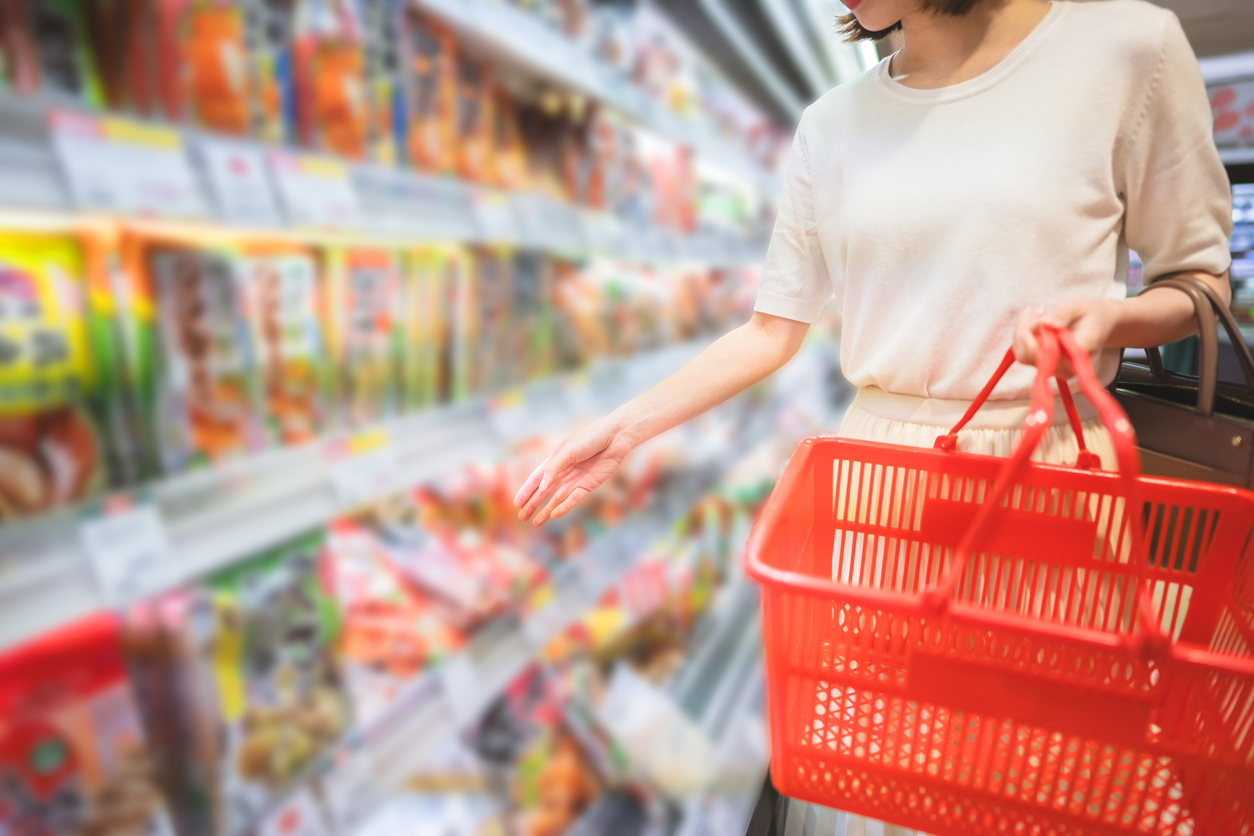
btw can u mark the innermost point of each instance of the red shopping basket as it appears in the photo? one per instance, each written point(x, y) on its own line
point(966, 644)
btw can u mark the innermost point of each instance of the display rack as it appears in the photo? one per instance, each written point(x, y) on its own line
point(518, 36)
point(357, 775)
point(384, 202)
point(218, 516)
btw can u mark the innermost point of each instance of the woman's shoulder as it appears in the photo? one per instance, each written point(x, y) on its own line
point(1128, 29)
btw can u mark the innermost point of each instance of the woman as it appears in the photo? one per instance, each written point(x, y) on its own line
point(988, 177)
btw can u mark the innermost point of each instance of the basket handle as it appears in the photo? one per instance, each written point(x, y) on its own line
point(1051, 343)
point(1085, 459)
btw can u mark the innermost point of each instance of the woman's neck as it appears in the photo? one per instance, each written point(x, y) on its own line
point(942, 50)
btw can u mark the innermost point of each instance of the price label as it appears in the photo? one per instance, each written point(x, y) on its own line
point(117, 165)
point(460, 683)
point(297, 816)
point(363, 468)
point(315, 191)
point(495, 216)
point(240, 182)
point(129, 550)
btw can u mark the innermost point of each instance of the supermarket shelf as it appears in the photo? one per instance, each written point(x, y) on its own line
point(523, 38)
point(730, 27)
point(374, 760)
point(391, 203)
point(218, 516)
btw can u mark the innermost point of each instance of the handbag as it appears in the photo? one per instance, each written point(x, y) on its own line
point(1193, 427)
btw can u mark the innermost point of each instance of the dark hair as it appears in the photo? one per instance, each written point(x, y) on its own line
point(854, 31)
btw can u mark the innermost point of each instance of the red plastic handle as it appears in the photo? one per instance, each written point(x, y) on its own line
point(1049, 341)
point(1085, 460)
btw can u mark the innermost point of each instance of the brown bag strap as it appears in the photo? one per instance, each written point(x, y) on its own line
point(1245, 358)
point(1208, 337)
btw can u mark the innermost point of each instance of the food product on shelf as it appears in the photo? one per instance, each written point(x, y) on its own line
point(392, 632)
point(473, 124)
point(273, 657)
point(282, 286)
point(429, 74)
point(329, 61)
point(59, 420)
point(190, 358)
point(384, 86)
point(363, 339)
point(430, 284)
point(204, 77)
point(73, 758)
point(67, 65)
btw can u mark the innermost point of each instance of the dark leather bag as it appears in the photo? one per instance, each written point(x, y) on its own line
point(1193, 427)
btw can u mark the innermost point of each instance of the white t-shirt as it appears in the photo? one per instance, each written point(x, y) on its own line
point(935, 217)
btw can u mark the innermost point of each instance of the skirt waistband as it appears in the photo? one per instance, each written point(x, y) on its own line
point(935, 412)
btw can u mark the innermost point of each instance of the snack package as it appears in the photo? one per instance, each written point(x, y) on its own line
point(431, 280)
point(272, 86)
point(281, 287)
point(59, 361)
point(363, 341)
point(67, 66)
point(507, 155)
point(392, 632)
point(273, 657)
point(73, 760)
point(484, 335)
point(332, 106)
point(204, 45)
point(473, 135)
point(429, 67)
point(191, 365)
point(385, 91)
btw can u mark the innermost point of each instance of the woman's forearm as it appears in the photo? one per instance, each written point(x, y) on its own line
point(733, 363)
point(1161, 317)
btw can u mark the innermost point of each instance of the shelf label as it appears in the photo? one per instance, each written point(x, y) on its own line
point(316, 191)
point(297, 816)
point(495, 216)
point(240, 182)
point(363, 468)
point(602, 232)
point(128, 548)
point(117, 165)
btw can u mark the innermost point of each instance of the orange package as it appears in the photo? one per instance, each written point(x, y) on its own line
point(429, 74)
point(332, 108)
point(473, 140)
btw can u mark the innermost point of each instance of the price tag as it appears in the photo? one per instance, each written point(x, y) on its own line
point(315, 191)
point(118, 165)
point(495, 216)
point(129, 550)
point(297, 816)
point(363, 468)
point(461, 687)
point(240, 182)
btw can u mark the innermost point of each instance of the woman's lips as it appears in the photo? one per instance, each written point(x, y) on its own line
point(852, 4)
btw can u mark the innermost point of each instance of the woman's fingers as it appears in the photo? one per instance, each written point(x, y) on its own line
point(529, 487)
point(559, 497)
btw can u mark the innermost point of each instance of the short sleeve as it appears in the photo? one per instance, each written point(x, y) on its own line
point(1179, 202)
point(795, 283)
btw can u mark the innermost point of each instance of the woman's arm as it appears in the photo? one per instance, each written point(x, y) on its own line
point(1147, 319)
point(732, 364)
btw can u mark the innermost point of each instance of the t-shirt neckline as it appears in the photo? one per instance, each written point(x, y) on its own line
point(981, 82)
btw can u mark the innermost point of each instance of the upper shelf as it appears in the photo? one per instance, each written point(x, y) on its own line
point(392, 203)
point(522, 38)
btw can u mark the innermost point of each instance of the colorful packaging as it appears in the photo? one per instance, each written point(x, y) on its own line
point(363, 293)
point(332, 106)
point(385, 91)
point(508, 155)
point(275, 667)
point(473, 135)
point(191, 364)
point(431, 279)
point(392, 632)
point(483, 359)
point(429, 56)
point(58, 371)
point(269, 34)
point(72, 753)
point(281, 287)
point(67, 65)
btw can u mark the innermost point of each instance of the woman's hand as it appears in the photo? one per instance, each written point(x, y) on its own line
point(577, 466)
point(1091, 321)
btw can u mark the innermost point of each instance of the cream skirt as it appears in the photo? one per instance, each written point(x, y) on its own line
point(876, 415)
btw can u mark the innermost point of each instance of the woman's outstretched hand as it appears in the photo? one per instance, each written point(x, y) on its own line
point(577, 466)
